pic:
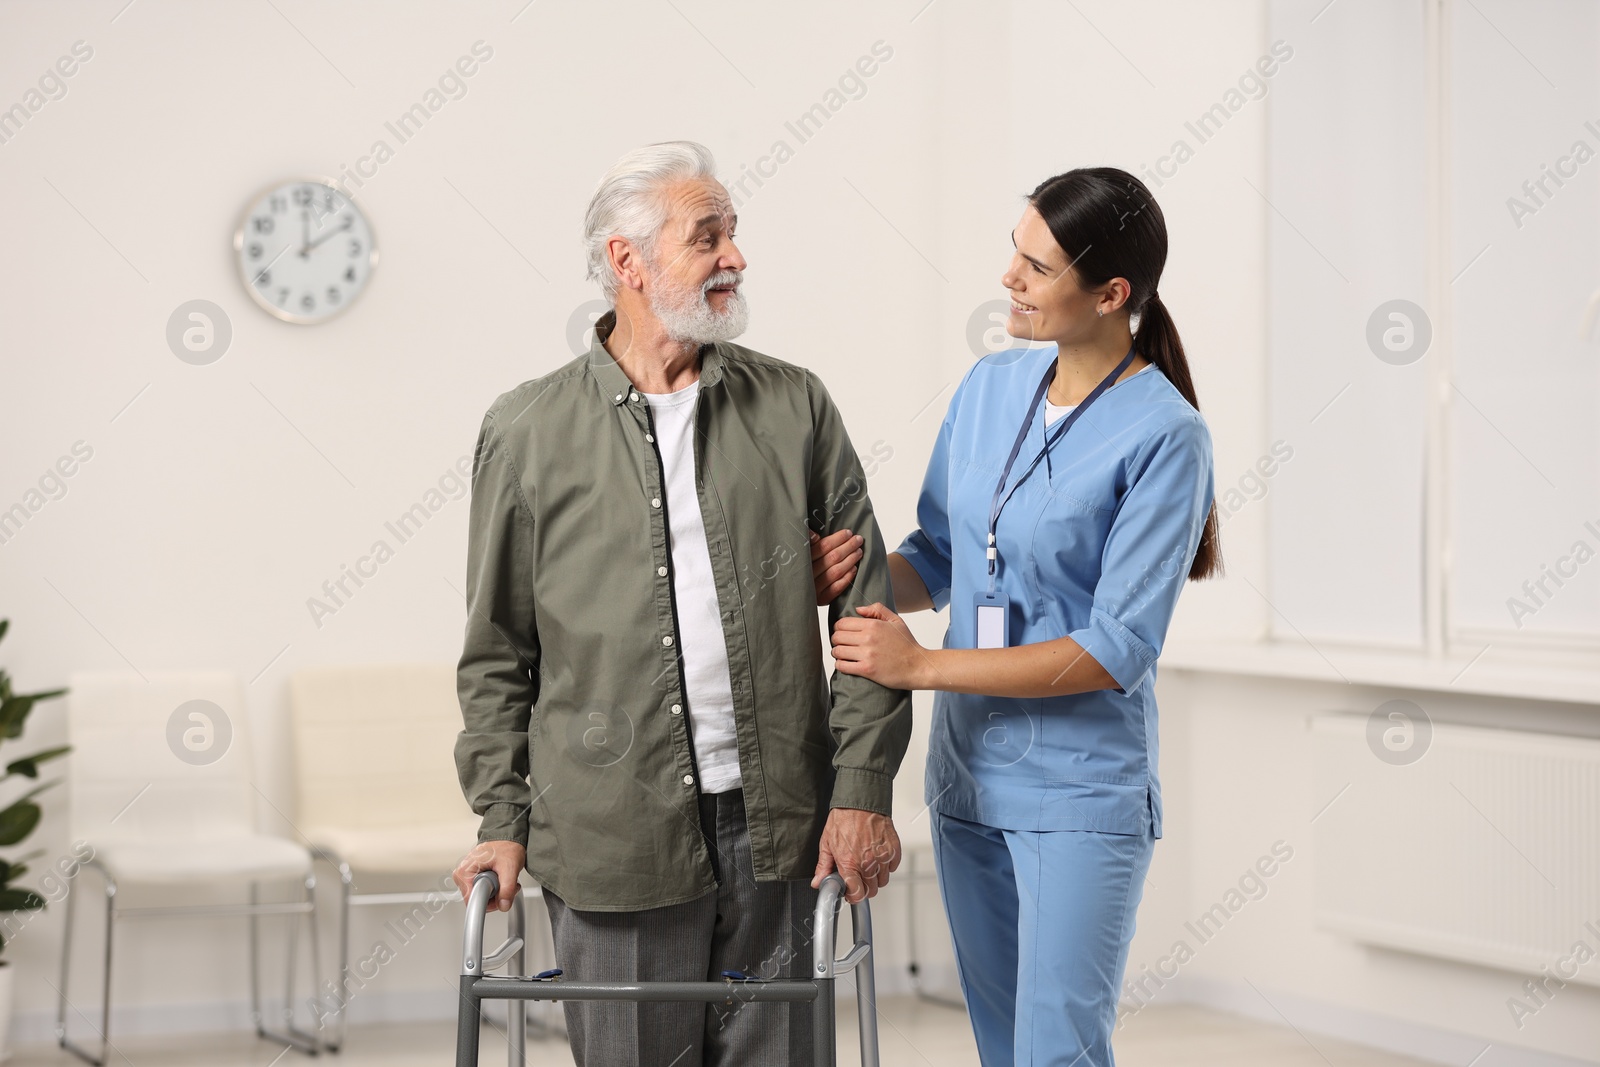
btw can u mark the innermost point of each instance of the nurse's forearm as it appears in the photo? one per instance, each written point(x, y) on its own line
point(1046, 669)
point(910, 593)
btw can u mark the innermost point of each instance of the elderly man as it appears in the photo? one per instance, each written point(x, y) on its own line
point(648, 727)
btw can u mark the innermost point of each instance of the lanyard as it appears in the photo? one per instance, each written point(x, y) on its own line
point(1065, 424)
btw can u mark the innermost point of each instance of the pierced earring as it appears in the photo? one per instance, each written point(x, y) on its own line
point(1100, 312)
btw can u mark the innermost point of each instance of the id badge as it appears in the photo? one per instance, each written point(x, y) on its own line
point(993, 620)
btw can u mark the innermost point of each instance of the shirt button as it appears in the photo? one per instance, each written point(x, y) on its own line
point(650, 437)
point(662, 571)
point(655, 502)
point(677, 709)
point(619, 396)
point(688, 779)
point(634, 397)
point(667, 640)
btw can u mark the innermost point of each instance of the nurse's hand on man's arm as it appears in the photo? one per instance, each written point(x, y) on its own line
point(878, 645)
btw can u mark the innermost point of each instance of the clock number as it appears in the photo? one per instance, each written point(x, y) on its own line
point(350, 275)
point(304, 196)
point(320, 213)
point(264, 279)
point(308, 302)
point(263, 224)
point(278, 204)
point(355, 248)
point(255, 249)
point(333, 295)
point(283, 294)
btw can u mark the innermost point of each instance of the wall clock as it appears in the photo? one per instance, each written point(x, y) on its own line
point(305, 251)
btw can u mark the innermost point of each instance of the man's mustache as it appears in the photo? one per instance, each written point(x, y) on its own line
point(722, 279)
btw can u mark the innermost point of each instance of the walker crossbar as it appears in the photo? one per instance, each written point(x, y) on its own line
point(477, 986)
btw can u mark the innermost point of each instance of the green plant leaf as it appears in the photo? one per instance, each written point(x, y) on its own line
point(14, 710)
point(5, 624)
point(29, 765)
point(20, 900)
point(18, 821)
point(20, 818)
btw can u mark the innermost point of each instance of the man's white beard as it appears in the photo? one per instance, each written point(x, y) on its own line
point(688, 316)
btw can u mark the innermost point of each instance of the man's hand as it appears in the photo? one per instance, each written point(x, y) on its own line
point(863, 847)
point(505, 858)
point(834, 560)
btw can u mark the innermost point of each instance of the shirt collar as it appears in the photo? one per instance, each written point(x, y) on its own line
point(615, 385)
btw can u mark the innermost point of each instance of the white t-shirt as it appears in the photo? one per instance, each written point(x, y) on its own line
point(706, 678)
point(1052, 412)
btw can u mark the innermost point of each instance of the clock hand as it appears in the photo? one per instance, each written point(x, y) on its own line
point(331, 233)
point(305, 229)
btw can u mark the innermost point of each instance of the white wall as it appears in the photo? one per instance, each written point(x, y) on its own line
point(222, 496)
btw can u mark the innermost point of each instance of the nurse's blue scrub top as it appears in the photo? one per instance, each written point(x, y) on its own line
point(1095, 544)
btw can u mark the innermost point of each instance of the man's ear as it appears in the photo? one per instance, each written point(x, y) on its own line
point(625, 262)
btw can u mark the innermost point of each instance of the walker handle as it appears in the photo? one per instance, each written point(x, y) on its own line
point(485, 888)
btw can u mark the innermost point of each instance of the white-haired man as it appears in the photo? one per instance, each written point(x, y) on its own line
point(648, 727)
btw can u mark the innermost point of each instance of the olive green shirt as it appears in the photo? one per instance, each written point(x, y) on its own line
point(576, 739)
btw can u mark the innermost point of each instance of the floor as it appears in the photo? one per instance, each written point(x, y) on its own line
point(911, 1034)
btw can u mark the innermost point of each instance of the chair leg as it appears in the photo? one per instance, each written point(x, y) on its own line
point(255, 952)
point(105, 1004)
point(346, 888)
point(288, 974)
point(297, 1039)
point(316, 949)
point(66, 959)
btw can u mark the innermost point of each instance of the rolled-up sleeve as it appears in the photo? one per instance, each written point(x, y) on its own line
point(497, 679)
point(1154, 536)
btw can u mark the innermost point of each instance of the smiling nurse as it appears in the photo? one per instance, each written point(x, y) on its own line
point(1068, 498)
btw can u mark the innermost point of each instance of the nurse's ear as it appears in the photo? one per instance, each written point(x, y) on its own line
point(1113, 297)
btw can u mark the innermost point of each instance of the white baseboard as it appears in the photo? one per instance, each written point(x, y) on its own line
point(1398, 1036)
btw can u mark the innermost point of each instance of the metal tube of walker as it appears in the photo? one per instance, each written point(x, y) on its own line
point(485, 887)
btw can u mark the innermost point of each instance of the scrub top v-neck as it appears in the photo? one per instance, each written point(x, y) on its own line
point(1094, 544)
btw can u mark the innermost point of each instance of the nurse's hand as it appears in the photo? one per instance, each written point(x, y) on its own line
point(834, 560)
point(878, 645)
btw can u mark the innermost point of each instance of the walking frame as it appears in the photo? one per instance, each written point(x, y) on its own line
point(477, 985)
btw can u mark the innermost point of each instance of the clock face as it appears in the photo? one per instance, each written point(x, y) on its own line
point(305, 250)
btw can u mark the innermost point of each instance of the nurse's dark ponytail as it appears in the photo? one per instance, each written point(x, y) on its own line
point(1109, 226)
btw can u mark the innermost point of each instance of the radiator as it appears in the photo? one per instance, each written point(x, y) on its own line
point(1485, 849)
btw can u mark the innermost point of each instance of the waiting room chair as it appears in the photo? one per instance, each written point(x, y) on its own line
point(377, 789)
point(161, 789)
